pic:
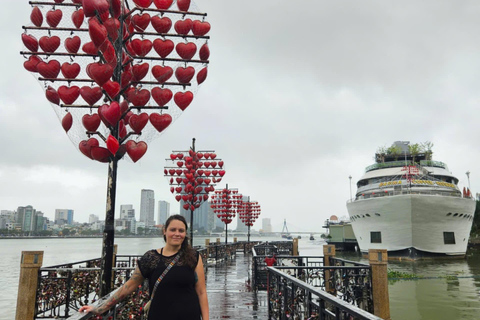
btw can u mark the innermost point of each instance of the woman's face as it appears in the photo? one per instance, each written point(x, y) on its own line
point(175, 232)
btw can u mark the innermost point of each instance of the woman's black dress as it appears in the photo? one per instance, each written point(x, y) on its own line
point(175, 297)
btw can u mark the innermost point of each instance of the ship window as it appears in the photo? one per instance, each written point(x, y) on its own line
point(456, 214)
point(449, 237)
point(377, 214)
point(461, 215)
point(375, 237)
point(368, 214)
point(449, 214)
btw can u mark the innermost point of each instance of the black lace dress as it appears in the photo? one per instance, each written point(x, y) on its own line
point(175, 297)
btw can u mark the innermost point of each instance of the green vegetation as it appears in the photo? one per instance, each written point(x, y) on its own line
point(398, 275)
point(475, 233)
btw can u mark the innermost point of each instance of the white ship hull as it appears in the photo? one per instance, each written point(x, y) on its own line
point(413, 225)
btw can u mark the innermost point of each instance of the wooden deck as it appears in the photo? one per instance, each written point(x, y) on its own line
point(229, 293)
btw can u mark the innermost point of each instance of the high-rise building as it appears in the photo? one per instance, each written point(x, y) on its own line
point(27, 218)
point(163, 211)
point(147, 207)
point(266, 225)
point(241, 227)
point(200, 216)
point(63, 216)
point(93, 218)
point(124, 210)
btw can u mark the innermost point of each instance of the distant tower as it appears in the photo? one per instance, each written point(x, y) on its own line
point(266, 225)
point(63, 216)
point(163, 211)
point(147, 207)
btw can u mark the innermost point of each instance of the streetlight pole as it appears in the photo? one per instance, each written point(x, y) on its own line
point(468, 177)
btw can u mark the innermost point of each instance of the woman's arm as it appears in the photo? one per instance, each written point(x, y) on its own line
point(135, 280)
point(201, 289)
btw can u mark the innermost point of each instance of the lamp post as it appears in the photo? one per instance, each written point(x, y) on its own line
point(468, 178)
point(350, 177)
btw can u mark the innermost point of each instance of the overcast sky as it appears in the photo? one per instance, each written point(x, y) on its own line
point(299, 96)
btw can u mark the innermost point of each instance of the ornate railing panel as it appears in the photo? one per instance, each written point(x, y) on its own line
point(292, 298)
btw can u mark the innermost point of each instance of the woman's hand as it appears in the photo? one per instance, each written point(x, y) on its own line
point(87, 309)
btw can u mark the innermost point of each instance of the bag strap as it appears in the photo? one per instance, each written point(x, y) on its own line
point(165, 272)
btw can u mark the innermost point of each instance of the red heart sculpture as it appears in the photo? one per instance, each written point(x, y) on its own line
point(31, 63)
point(89, 48)
point(163, 47)
point(143, 3)
point(183, 5)
point(160, 121)
point(141, 47)
point(91, 95)
point(54, 17)
point(30, 42)
point(36, 17)
point(98, 33)
point(111, 113)
point(184, 75)
point(141, 22)
point(49, 69)
point(186, 50)
point(68, 94)
point(163, 4)
point(100, 73)
point(49, 44)
point(161, 96)
point(67, 121)
point(73, 44)
point(70, 70)
point(100, 154)
point(77, 18)
point(200, 28)
point(138, 122)
point(138, 98)
point(162, 74)
point(202, 75)
point(161, 25)
point(204, 52)
point(112, 88)
point(91, 122)
point(112, 144)
point(139, 71)
point(183, 99)
point(52, 95)
point(183, 27)
point(90, 7)
point(113, 26)
point(86, 146)
point(136, 150)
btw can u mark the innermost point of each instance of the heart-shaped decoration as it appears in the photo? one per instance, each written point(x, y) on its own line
point(54, 17)
point(36, 17)
point(200, 28)
point(110, 112)
point(141, 47)
point(89, 48)
point(68, 94)
point(49, 44)
point(161, 96)
point(141, 21)
point(112, 88)
point(161, 25)
point(86, 146)
point(100, 154)
point(138, 122)
point(91, 95)
point(184, 75)
point(202, 75)
point(70, 70)
point(138, 98)
point(91, 122)
point(73, 44)
point(163, 47)
point(183, 99)
point(143, 3)
point(186, 50)
point(204, 52)
point(30, 42)
point(67, 121)
point(92, 7)
point(160, 121)
point(112, 144)
point(163, 4)
point(162, 74)
point(183, 5)
point(139, 71)
point(112, 25)
point(52, 95)
point(49, 70)
point(100, 73)
point(136, 150)
point(77, 18)
point(31, 63)
point(183, 27)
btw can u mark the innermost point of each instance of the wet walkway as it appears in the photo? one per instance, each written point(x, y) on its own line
point(230, 296)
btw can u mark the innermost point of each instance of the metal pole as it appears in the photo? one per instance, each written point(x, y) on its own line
point(193, 197)
point(226, 224)
point(468, 177)
point(350, 177)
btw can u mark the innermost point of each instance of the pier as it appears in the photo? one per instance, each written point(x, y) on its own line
point(240, 285)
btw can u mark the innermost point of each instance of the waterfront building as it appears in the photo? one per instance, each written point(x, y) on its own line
point(27, 218)
point(63, 216)
point(200, 216)
point(138, 225)
point(92, 218)
point(124, 210)
point(147, 207)
point(7, 217)
point(163, 211)
point(266, 225)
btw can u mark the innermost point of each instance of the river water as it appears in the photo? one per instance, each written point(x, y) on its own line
point(450, 290)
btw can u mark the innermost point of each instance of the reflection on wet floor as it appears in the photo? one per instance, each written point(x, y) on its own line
point(229, 293)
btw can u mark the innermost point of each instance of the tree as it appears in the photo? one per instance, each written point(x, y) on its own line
point(427, 147)
point(414, 150)
point(66, 232)
point(394, 151)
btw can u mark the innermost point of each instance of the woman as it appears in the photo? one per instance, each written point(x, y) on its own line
point(181, 294)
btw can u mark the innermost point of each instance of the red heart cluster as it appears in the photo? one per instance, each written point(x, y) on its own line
point(226, 203)
point(134, 89)
point(190, 180)
point(249, 212)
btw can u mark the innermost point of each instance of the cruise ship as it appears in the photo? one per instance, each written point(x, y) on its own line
point(411, 205)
